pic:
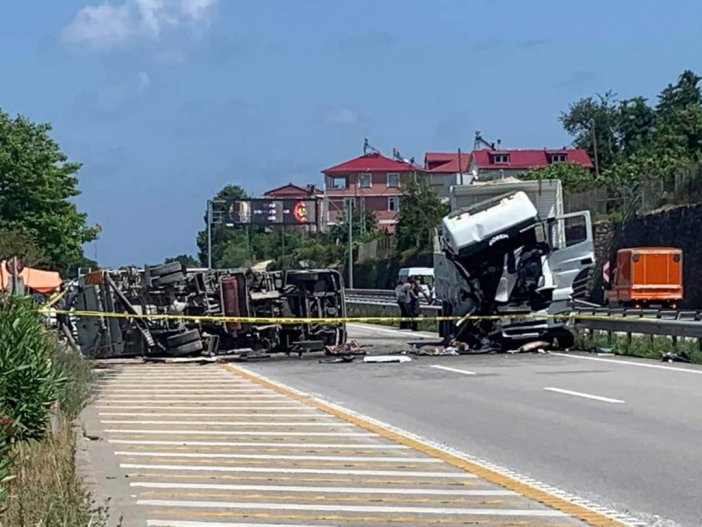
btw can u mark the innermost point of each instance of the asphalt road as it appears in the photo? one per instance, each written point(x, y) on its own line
point(622, 433)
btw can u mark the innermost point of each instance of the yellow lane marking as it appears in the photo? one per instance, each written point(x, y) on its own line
point(583, 513)
point(438, 500)
point(373, 520)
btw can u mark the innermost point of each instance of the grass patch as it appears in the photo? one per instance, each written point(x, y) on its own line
point(47, 489)
point(644, 346)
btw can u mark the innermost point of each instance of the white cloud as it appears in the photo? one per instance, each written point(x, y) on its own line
point(196, 9)
point(113, 25)
point(344, 116)
point(100, 27)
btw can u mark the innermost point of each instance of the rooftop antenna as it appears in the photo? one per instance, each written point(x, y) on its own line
point(479, 141)
point(367, 147)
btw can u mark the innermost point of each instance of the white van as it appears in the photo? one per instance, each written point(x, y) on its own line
point(425, 276)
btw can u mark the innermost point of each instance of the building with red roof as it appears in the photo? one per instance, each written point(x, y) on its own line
point(448, 169)
point(370, 182)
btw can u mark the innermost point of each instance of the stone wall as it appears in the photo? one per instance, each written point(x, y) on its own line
point(679, 227)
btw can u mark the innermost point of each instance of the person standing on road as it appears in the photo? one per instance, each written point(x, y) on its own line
point(412, 301)
point(401, 298)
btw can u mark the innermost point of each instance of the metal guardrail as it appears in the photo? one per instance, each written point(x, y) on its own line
point(665, 322)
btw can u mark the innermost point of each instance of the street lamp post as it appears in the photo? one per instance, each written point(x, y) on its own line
point(209, 234)
point(349, 215)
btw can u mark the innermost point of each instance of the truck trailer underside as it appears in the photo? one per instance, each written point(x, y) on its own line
point(169, 311)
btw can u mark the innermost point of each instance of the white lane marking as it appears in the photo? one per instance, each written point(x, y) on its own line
point(237, 433)
point(167, 385)
point(330, 424)
point(293, 406)
point(409, 335)
point(324, 490)
point(205, 455)
point(534, 513)
point(454, 370)
point(199, 402)
point(221, 414)
point(629, 363)
point(223, 396)
point(199, 523)
point(256, 444)
point(193, 391)
point(585, 395)
point(334, 471)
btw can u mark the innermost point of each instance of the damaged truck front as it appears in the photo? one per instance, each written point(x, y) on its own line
point(506, 272)
point(166, 310)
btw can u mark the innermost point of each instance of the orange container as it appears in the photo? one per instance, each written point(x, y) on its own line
point(647, 276)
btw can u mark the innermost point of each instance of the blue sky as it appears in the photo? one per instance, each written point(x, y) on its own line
point(166, 101)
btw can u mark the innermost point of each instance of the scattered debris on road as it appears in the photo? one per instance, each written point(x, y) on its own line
point(386, 358)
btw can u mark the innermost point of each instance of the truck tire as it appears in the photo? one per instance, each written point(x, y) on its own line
point(161, 270)
point(565, 339)
point(183, 338)
point(185, 349)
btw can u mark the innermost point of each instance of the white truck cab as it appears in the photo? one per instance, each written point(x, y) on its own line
point(498, 257)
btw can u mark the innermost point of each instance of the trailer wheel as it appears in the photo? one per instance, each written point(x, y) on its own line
point(565, 339)
point(161, 270)
point(186, 349)
point(183, 338)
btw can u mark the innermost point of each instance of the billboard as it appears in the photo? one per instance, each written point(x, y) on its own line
point(273, 212)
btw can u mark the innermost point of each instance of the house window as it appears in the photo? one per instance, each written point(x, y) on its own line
point(337, 182)
point(394, 203)
point(500, 159)
point(393, 179)
point(558, 158)
point(364, 180)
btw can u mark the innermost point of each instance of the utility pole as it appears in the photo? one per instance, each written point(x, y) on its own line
point(209, 234)
point(349, 215)
point(594, 146)
point(282, 237)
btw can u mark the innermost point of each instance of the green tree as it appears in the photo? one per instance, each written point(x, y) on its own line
point(19, 244)
point(574, 177)
point(598, 114)
point(636, 123)
point(421, 212)
point(185, 259)
point(37, 183)
point(222, 235)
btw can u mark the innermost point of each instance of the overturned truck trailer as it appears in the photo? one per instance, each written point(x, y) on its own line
point(507, 272)
point(166, 310)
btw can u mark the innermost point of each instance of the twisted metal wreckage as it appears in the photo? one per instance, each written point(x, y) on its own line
point(170, 311)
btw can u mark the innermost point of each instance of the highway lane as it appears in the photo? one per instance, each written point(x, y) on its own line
point(615, 432)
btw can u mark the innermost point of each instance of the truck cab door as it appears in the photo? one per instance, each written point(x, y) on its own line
point(572, 257)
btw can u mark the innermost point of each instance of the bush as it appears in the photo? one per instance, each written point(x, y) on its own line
point(29, 381)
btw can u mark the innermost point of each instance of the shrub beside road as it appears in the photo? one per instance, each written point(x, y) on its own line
point(43, 387)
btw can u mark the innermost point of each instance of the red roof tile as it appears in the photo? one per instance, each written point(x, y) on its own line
point(446, 163)
point(524, 159)
point(373, 162)
point(292, 190)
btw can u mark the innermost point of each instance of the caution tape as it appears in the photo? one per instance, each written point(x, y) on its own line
point(286, 320)
point(339, 320)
